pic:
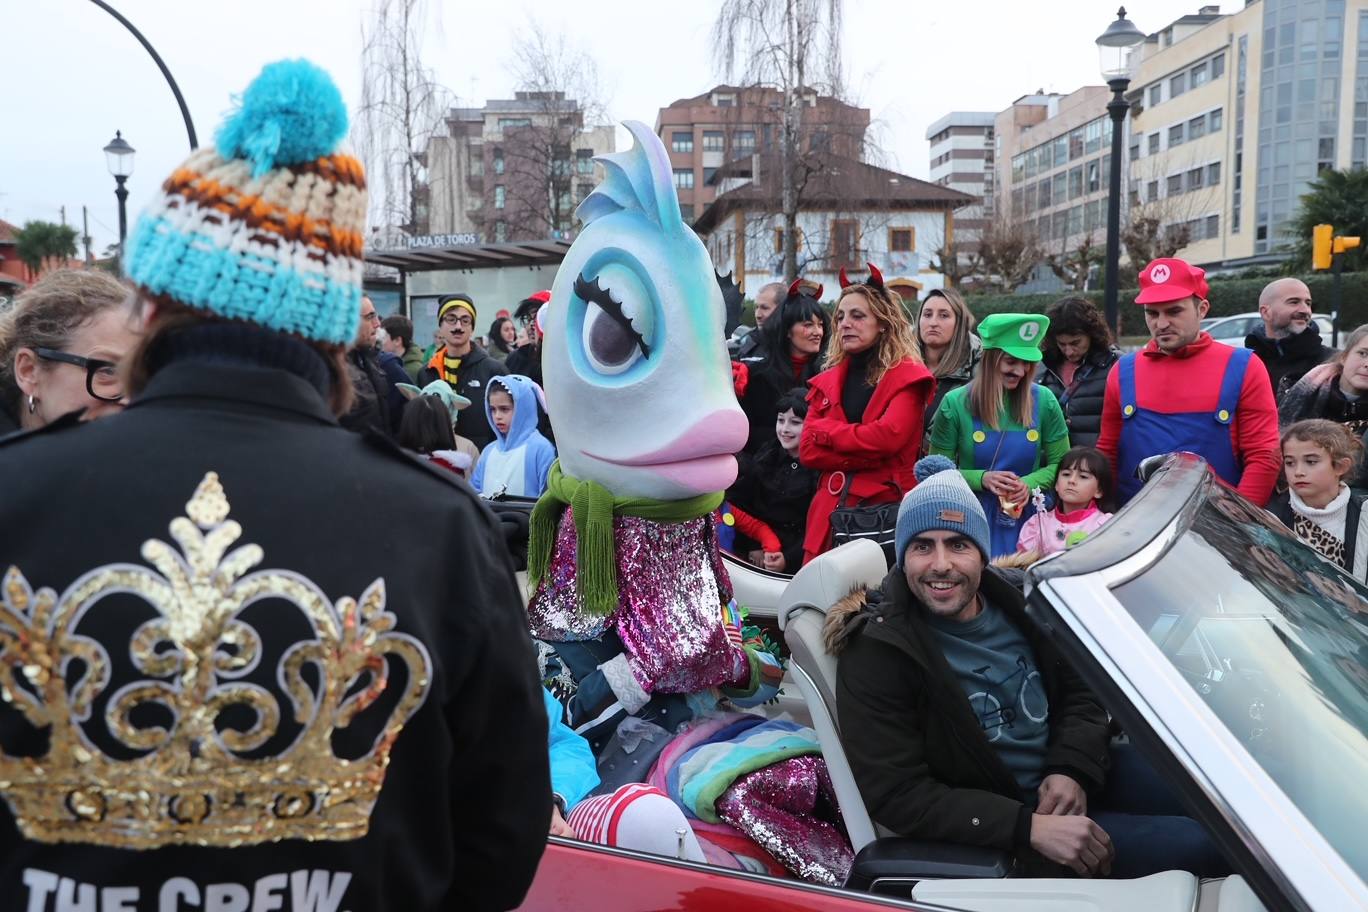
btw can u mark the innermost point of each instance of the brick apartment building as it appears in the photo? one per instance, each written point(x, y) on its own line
point(706, 131)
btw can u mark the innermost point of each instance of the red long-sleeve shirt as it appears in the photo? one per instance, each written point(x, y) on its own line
point(1190, 381)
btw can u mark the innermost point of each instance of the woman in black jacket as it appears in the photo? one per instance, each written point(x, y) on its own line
point(790, 355)
point(773, 486)
point(1078, 354)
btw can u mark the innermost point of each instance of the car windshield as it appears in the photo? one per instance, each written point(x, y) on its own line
point(1275, 640)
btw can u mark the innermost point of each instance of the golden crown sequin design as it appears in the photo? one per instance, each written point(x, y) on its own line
point(190, 783)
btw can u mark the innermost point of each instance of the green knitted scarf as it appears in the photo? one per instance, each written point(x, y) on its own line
point(595, 554)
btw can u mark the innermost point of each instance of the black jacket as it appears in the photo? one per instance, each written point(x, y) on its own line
point(371, 410)
point(920, 758)
point(461, 819)
point(774, 488)
point(1288, 359)
point(1082, 399)
point(472, 381)
point(766, 381)
point(9, 424)
point(525, 360)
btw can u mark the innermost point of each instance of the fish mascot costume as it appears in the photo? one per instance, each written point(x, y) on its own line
point(627, 582)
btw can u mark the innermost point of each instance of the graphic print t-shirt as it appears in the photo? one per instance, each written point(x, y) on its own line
point(994, 664)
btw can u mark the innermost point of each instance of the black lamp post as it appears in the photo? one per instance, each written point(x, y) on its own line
point(1115, 46)
point(119, 157)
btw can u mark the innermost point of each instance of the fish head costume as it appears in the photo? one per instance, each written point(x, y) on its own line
point(637, 376)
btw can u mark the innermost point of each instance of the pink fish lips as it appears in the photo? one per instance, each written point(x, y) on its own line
point(701, 459)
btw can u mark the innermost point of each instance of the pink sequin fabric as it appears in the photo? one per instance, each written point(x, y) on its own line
point(671, 589)
point(783, 808)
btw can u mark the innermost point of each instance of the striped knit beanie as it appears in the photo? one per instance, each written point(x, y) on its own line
point(267, 225)
point(942, 499)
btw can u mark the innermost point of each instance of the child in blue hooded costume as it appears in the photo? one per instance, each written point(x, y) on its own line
point(518, 461)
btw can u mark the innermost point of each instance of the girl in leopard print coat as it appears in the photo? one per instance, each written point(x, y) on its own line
point(1324, 512)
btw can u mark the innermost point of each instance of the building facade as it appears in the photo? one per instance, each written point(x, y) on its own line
point(962, 158)
point(1235, 114)
point(513, 170)
point(1054, 161)
point(851, 214)
point(707, 131)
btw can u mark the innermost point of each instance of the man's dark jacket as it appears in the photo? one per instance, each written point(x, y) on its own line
point(371, 408)
point(1082, 399)
point(460, 822)
point(919, 755)
point(1288, 359)
point(472, 381)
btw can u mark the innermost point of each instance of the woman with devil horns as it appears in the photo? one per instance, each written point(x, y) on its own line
point(789, 355)
point(865, 411)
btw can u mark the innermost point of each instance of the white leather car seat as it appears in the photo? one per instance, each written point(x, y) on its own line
point(802, 612)
point(1169, 891)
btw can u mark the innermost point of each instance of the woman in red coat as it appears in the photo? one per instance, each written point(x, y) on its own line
point(865, 410)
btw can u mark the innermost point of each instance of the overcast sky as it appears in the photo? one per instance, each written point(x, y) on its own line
point(71, 75)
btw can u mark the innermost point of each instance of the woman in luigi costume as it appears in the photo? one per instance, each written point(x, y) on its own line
point(1004, 432)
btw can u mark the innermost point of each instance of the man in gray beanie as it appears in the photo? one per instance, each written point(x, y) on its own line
point(963, 724)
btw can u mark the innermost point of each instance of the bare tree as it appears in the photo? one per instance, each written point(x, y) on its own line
point(559, 86)
point(1073, 263)
point(1009, 251)
point(402, 105)
point(1165, 208)
point(796, 45)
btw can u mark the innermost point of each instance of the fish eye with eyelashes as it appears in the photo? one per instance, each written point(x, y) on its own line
point(612, 343)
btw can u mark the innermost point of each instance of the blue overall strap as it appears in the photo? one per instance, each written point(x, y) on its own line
point(1232, 382)
point(1125, 375)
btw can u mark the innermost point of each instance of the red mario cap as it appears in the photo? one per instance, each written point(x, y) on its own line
point(1167, 279)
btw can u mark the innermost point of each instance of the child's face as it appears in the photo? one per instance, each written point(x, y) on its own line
point(789, 429)
point(501, 409)
point(1311, 472)
point(1076, 486)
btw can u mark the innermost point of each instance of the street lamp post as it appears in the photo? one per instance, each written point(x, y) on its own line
point(119, 157)
point(1115, 46)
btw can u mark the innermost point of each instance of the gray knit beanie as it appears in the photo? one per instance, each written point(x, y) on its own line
point(942, 499)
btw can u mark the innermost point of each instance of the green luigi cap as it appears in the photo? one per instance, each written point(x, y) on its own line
point(1018, 335)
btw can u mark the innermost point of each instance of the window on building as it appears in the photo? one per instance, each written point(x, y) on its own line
point(1196, 178)
point(584, 161)
point(1134, 150)
point(1018, 167)
point(1060, 190)
point(500, 232)
point(1325, 154)
point(583, 189)
point(512, 123)
point(1152, 191)
point(901, 240)
point(476, 163)
point(1156, 94)
point(714, 140)
point(1060, 148)
point(1075, 223)
point(1177, 85)
point(1197, 127)
point(1213, 174)
point(724, 101)
point(681, 142)
point(1152, 143)
point(498, 161)
point(500, 196)
point(1175, 135)
point(1075, 144)
point(1213, 226)
point(1174, 185)
point(1198, 75)
point(1092, 136)
point(744, 141)
point(844, 243)
point(1093, 180)
point(683, 178)
point(686, 212)
point(1218, 66)
point(1043, 199)
point(1075, 182)
point(1215, 120)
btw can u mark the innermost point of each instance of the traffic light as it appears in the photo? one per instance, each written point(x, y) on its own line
point(1322, 242)
point(1345, 243)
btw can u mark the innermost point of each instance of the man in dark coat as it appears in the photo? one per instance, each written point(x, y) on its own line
point(239, 687)
point(1288, 342)
point(963, 724)
point(526, 359)
point(372, 407)
point(463, 364)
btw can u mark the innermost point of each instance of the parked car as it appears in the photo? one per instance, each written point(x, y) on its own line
point(1233, 656)
point(1232, 330)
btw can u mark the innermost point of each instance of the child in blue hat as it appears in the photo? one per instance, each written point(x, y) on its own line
point(1006, 433)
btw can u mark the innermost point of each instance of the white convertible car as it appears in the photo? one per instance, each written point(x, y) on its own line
point(1232, 655)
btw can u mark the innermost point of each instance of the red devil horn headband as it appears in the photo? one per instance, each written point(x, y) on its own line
point(796, 288)
point(845, 282)
point(875, 277)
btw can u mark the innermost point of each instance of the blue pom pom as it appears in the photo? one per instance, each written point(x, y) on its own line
point(292, 113)
point(930, 465)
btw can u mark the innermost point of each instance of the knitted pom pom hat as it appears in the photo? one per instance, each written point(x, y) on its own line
point(265, 227)
point(942, 499)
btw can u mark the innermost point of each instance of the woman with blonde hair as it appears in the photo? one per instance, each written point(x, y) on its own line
point(1004, 432)
point(865, 411)
point(945, 332)
point(60, 347)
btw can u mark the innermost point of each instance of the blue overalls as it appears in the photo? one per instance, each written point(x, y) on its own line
point(1146, 433)
point(1007, 451)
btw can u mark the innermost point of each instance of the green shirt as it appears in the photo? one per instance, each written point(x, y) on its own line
point(952, 435)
